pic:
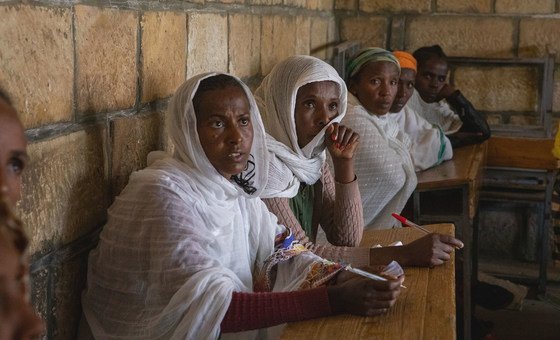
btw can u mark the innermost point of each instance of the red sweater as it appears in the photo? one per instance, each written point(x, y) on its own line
point(260, 310)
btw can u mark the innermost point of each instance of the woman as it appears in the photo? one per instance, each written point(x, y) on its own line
point(429, 145)
point(383, 162)
point(301, 101)
point(188, 238)
point(18, 320)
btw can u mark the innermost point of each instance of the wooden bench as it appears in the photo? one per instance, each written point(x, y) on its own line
point(523, 171)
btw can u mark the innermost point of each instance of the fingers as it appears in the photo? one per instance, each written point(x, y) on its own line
point(452, 241)
point(342, 136)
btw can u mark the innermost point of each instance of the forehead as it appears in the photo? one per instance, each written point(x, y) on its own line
point(407, 74)
point(326, 86)
point(215, 100)
point(11, 130)
point(378, 68)
point(435, 65)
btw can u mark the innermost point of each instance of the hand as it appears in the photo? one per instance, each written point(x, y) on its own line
point(446, 91)
point(430, 250)
point(363, 296)
point(341, 141)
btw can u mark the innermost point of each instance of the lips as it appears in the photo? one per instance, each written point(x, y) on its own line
point(236, 156)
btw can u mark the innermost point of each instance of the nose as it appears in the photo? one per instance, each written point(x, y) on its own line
point(323, 116)
point(434, 82)
point(400, 91)
point(234, 135)
point(385, 90)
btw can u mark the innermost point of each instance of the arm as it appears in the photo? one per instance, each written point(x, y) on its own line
point(475, 129)
point(259, 310)
point(341, 211)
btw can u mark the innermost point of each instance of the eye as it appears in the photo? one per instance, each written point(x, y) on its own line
point(375, 81)
point(217, 124)
point(310, 104)
point(16, 165)
point(441, 79)
point(244, 121)
point(333, 106)
point(410, 85)
point(394, 82)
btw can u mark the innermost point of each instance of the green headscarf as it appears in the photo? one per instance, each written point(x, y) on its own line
point(367, 55)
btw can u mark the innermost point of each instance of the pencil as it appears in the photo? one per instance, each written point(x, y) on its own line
point(408, 223)
point(367, 274)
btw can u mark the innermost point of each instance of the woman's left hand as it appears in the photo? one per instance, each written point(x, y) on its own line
point(341, 141)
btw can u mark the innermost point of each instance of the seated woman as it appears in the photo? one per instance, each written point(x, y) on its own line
point(382, 163)
point(429, 145)
point(441, 104)
point(301, 101)
point(18, 320)
point(188, 239)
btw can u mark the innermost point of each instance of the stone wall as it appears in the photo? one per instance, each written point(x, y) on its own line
point(91, 82)
point(476, 28)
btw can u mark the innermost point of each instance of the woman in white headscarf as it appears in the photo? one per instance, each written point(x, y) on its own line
point(188, 240)
point(383, 163)
point(302, 101)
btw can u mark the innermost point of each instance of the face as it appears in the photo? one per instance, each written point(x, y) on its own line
point(13, 153)
point(18, 320)
point(316, 105)
point(375, 86)
point(405, 89)
point(225, 129)
point(430, 79)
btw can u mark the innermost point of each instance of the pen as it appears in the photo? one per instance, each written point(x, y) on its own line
point(408, 223)
point(367, 274)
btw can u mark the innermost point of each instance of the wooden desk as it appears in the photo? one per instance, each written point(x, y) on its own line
point(425, 310)
point(449, 193)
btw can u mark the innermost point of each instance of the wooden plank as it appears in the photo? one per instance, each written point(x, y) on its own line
point(425, 310)
point(527, 153)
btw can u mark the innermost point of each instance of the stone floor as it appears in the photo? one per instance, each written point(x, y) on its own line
point(539, 318)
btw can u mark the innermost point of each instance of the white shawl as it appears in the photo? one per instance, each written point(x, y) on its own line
point(439, 113)
point(276, 97)
point(429, 145)
point(382, 164)
point(179, 240)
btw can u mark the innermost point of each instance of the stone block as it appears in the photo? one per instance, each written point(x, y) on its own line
point(70, 282)
point(556, 93)
point(132, 139)
point(295, 3)
point(523, 120)
point(494, 119)
point(319, 37)
point(36, 62)
point(463, 36)
point(303, 35)
point(499, 88)
point(164, 48)
point(525, 7)
point(537, 37)
point(266, 2)
point(64, 188)
point(398, 29)
point(244, 45)
point(325, 5)
point(332, 37)
point(39, 284)
point(207, 43)
point(461, 6)
point(376, 6)
point(277, 40)
point(370, 31)
point(346, 4)
point(106, 58)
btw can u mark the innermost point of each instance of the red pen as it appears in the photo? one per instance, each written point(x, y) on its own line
point(408, 223)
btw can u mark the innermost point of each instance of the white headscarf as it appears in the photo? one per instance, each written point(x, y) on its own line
point(439, 113)
point(180, 239)
point(276, 97)
point(382, 163)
